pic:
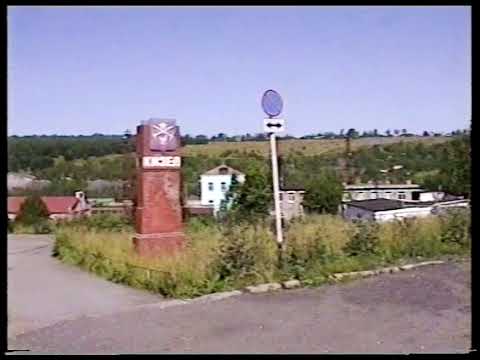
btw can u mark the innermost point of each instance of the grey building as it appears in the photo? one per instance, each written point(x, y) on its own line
point(291, 203)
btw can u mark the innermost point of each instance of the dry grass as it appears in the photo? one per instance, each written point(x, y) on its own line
point(329, 230)
point(306, 147)
point(217, 259)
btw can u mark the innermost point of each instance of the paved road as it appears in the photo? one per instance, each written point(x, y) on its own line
point(42, 291)
point(423, 310)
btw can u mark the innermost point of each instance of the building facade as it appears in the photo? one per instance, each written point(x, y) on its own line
point(372, 191)
point(291, 203)
point(215, 183)
point(382, 210)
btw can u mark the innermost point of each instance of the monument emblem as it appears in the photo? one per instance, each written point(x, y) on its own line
point(164, 135)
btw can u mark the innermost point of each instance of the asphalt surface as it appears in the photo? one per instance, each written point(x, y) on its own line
point(426, 310)
point(43, 291)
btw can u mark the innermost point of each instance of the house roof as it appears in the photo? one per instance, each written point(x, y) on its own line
point(223, 170)
point(377, 204)
point(55, 204)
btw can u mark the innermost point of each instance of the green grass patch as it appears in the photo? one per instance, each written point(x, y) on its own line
point(220, 258)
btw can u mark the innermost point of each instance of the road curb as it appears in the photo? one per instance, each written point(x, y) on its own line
point(386, 270)
point(262, 288)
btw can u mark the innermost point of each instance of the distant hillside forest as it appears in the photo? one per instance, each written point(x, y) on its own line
point(69, 162)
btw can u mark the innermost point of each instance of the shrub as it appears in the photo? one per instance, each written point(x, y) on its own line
point(101, 222)
point(32, 210)
point(42, 227)
point(247, 252)
point(314, 241)
point(365, 240)
point(456, 228)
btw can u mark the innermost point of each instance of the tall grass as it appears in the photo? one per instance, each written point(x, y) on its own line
point(219, 257)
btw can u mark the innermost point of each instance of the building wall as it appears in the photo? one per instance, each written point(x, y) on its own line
point(291, 204)
point(355, 213)
point(382, 216)
point(393, 194)
point(215, 196)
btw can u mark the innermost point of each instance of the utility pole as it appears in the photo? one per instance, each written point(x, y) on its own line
point(276, 189)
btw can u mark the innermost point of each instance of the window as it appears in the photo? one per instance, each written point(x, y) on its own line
point(223, 170)
point(402, 196)
point(280, 196)
point(223, 186)
point(210, 186)
point(291, 198)
point(210, 201)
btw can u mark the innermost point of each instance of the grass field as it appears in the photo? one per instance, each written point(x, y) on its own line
point(306, 147)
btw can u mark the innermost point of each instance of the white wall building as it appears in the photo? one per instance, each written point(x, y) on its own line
point(371, 191)
point(383, 210)
point(215, 183)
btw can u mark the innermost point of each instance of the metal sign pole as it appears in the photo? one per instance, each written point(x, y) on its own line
point(276, 189)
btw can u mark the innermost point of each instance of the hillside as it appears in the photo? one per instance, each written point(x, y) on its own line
point(303, 147)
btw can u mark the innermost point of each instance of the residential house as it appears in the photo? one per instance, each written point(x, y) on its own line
point(215, 183)
point(59, 207)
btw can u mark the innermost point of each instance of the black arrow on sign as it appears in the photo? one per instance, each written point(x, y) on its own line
point(274, 124)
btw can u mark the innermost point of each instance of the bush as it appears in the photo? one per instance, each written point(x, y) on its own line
point(42, 227)
point(247, 252)
point(365, 240)
point(313, 241)
point(101, 222)
point(456, 228)
point(32, 210)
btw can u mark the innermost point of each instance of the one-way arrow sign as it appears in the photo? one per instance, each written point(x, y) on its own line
point(273, 125)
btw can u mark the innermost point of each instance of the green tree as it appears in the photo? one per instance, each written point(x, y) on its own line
point(323, 193)
point(252, 199)
point(454, 170)
point(458, 167)
point(32, 211)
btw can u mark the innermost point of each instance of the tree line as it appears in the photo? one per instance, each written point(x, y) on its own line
point(32, 153)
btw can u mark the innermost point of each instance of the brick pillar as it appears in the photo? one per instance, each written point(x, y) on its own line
point(159, 218)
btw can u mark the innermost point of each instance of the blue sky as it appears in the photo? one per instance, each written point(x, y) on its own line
point(84, 70)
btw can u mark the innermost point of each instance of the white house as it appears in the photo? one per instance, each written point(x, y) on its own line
point(215, 183)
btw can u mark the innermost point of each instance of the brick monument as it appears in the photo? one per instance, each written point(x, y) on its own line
point(159, 218)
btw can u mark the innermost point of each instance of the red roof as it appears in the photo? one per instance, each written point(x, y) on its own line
point(55, 204)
